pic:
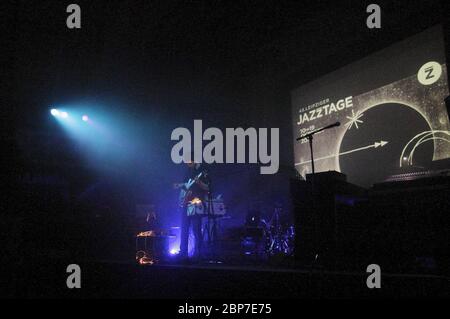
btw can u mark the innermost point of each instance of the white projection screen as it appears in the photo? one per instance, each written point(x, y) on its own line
point(391, 108)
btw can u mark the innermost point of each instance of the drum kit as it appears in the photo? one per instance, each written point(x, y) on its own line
point(280, 240)
point(275, 238)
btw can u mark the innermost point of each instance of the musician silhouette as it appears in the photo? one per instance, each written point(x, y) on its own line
point(195, 187)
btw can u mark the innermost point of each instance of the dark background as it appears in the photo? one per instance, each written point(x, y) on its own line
point(163, 64)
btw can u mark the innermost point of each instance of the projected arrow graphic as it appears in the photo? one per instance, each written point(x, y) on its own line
point(374, 145)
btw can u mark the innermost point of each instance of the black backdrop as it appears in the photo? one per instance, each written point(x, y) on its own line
point(231, 65)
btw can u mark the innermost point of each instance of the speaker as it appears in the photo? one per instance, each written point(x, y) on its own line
point(319, 214)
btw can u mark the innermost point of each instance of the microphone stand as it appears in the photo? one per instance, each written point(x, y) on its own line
point(310, 136)
point(211, 231)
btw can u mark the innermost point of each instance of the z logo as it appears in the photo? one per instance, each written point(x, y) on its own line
point(429, 73)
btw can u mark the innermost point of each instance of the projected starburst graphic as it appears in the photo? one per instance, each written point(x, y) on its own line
point(354, 120)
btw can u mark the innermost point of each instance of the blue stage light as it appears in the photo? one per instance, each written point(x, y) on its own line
point(85, 118)
point(54, 112)
point(64, 115)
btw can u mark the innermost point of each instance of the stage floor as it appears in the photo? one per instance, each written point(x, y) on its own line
point(122, 279)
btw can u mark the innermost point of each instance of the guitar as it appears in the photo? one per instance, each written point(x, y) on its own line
point(186, 192)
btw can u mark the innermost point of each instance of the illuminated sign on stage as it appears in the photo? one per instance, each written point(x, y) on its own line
point(391, 109)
